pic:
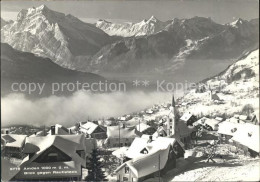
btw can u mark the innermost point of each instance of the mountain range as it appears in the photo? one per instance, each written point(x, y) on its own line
point(178, 48)
point(145, 27)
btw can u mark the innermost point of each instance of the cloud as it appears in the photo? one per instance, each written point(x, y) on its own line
point(17, 109)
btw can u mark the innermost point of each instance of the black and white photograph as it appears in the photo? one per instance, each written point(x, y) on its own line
point(130, 90)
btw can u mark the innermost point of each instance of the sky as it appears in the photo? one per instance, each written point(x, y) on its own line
point(221, 11)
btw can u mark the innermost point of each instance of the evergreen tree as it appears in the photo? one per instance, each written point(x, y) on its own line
point(94, 166)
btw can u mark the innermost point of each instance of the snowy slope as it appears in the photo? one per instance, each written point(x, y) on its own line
point(145, 27)
point(237, 86)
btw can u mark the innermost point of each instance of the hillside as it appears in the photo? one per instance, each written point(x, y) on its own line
point(17, 66)
point(235, 87)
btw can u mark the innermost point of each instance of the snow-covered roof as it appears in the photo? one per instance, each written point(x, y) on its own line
point(125, 132)
point(235, 120)
point(135, 148)
point(88, 128)
point(13, 140)
point(186, 116)
point(142, 127)
point(212, 122)
point(154, 144)
point(228, 128)
point(121, 118)
point(39, 133)
point(248, 136)
point(200, 121)
point(148, 163)
point(119, 153)
point(219, 118)
point(68, 144)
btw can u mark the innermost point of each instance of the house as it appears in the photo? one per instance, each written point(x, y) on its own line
point(93, 130)
point(188, 118)
point(149, 111)
point(55, 157)
point(119, 136)
point(243, 117)
point(149, 158)
point(219, 118)
point(134, 121)
point(226, 130)
point(12, 145)
point(201, 121)
point(122, 118)
point(73, 129)
point(5, 130)
point(247, 139)
point(212, 124)
point(145, 129)
point(147, 141)
point(58, 129)
point(183, 132)
point(235, 120)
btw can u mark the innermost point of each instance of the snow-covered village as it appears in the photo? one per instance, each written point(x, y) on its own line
point(206, 132)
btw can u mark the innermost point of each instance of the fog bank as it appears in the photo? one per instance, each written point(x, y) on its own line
point(17, 109)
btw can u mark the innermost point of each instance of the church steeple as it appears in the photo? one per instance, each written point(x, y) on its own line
point(173, 101)
point(171, 124)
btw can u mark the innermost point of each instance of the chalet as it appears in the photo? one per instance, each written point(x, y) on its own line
point(149, 158)
point(12, 145)
point(247, 139)
point(92, 130)
point(119, 136)
point(188, 118)
point(55, 158)
point(145, 129)
point(212, 124)
point(226, 130)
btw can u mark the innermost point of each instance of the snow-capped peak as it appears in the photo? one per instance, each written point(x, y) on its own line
point(237, 22)
point(144, 27)
point(153, 19)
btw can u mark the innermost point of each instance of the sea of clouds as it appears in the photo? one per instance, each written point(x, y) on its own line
point(82, 105)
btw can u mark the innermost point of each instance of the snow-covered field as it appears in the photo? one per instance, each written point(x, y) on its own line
point(231, 167)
